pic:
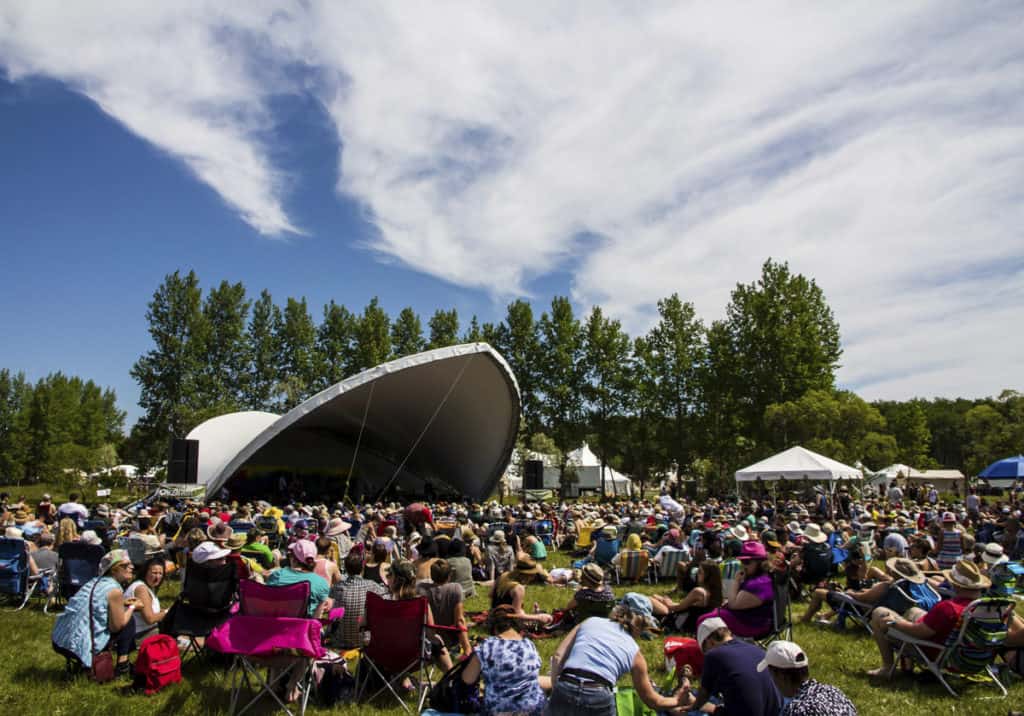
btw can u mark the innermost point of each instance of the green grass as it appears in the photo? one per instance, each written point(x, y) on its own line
point(34, 493)
point(32, 680)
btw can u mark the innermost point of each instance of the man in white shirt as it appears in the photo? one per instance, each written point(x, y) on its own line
point(73, 509)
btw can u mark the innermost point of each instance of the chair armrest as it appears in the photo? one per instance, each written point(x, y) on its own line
point(447, 628)
point(897, 635)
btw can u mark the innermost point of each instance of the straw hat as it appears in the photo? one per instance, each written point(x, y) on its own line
point(813, 533)
point(498, 537)
point(525, 565)
point(905, 569)
point(794, 527)
point(994, 554)
point(591, 576)
point(965, 575)
point(336, 527)
point(740, 533)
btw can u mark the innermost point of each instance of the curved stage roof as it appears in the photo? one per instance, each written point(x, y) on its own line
point(447, 416)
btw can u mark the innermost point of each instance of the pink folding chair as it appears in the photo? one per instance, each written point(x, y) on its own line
point(271, 632)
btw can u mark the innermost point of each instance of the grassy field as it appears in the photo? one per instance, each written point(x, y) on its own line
point(32, 680)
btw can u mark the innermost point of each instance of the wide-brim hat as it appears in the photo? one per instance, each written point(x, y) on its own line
point(527, 566)
point(498, 538)
point(336, 527)
point(905, 569)
point(815, 534)
point(591, 575)
point(752, 550)
point(994, 554)
point(740, 533)
point(236, 541)
point(794, 527)
point(966, 575)
point(610, 531)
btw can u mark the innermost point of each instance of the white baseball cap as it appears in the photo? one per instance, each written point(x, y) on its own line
point(707, 628)
point(783, 655)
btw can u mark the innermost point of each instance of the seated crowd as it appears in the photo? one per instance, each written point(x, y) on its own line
point(898, 567)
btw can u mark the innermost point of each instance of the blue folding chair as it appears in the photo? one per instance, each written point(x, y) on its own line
point(78, 562)
point(15, 582)
point(545, 530)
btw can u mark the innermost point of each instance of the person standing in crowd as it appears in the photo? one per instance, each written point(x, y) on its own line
point(787, 663)
point(99, 616)
point(951, 546)
point(731, 675)
point(596, 654)
point(74, 510)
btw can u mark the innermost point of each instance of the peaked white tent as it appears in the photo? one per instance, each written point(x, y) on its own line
point(798, 463)
point(588, 473)
point(886, 475)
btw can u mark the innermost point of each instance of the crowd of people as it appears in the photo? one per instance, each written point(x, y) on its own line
point(727, 554)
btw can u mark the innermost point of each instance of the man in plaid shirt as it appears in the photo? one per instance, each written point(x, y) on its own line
point(351, 594)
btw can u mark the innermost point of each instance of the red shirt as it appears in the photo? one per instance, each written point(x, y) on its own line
point(944, 617)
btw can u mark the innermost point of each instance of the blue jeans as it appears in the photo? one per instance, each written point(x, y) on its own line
point(571, 699)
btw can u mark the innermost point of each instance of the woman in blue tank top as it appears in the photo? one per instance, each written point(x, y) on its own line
point(596, 654)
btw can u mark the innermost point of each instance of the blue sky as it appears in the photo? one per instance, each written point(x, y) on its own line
point(462, 155)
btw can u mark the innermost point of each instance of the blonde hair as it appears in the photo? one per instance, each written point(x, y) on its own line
point(66, 531)
point(633, 543)
point(634, 623)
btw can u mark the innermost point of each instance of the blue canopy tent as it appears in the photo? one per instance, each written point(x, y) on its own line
point(1005, 472)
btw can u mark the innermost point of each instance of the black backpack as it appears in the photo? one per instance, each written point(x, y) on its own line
point(451, 695)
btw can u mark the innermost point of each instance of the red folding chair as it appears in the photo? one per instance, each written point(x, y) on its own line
point(398, 647)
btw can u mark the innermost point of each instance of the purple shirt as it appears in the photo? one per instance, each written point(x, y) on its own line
point(758, 619)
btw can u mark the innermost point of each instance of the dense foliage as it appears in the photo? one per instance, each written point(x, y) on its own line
point(57, 429)
point(689, 398)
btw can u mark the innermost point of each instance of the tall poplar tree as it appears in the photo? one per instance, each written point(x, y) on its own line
point(407, 333)
point(562, 377)
point(335, 343)
point(373, 337)
point(296, 363)
point(444, 329)
point(262, 340)
point(225, 373)
point(605, 364)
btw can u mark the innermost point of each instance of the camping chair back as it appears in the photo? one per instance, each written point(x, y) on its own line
point(13, 566)
point(78, 563)
point(633, 565)
point(545, 531)
point(1004, 581)
point(817, 563)
point(972, 647)
point(670, 559)
point(521, 526)
point(606, 551)
point(210, 588)
point(136, 550)
point(241, 526)
point(259, 600)
point(782, 621)
point(396, 632)
point(266, 524)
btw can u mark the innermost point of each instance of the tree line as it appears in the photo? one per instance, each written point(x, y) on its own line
point(56, 429)
point(688, 397)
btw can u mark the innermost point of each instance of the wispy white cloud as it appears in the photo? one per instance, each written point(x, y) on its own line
point(879, 151)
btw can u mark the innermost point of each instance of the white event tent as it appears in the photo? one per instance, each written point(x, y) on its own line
point(799, 463)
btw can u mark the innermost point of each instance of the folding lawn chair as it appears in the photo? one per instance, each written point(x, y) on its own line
point(136, 549)
point(901, 596)
point(270, 631)
point(205, 602)
point(632, 566)
point(605, 551)
point(970, 649)
point(782, 618)
point(667, 565)
point(77, 563)
point(398, 648)
point(545, 530)
point(241, 526)
point(15, 581)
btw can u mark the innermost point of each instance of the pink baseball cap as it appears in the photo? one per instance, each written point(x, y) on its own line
point(304, 551)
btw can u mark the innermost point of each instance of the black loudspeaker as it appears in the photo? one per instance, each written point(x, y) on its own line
point(533, 475)
point(183, 462)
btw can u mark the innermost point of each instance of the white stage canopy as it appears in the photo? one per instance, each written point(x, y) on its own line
point(448, 415)
point(798, 463)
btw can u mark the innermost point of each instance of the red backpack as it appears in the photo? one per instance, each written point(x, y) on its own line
point(159, 663)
